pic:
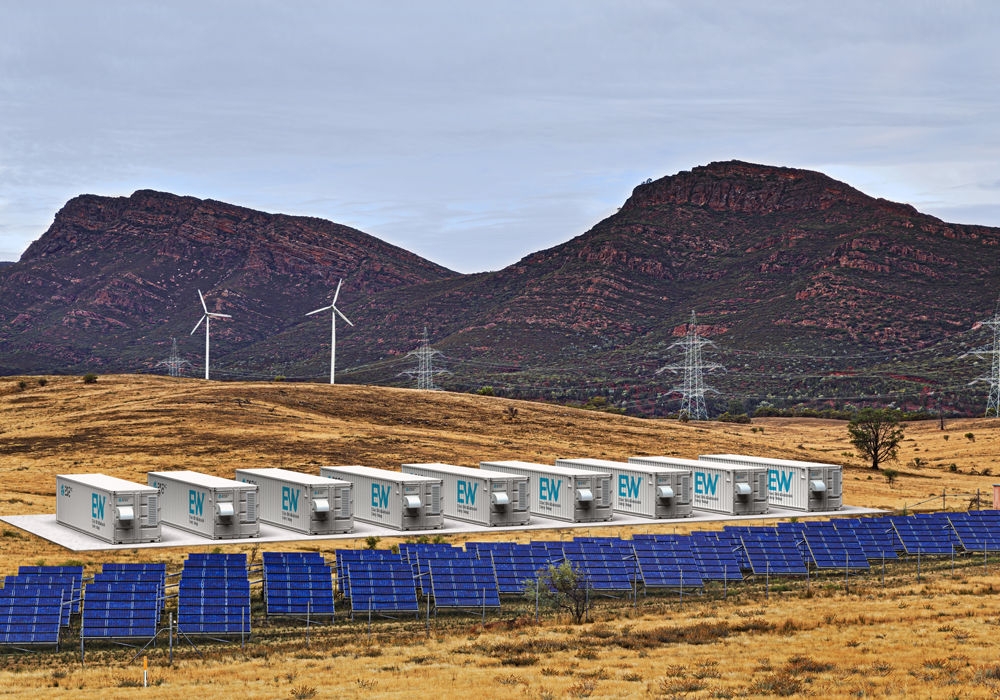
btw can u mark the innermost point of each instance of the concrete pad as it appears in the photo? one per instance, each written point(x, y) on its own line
point(46, 527)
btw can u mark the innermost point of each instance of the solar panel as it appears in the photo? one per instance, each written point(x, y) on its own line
point(214, 595)
point(772, 553)
point(345, 557)
point(297, 583)
point(381, 586)
point(826, 547)
point(667, 561)
point(74, 572)
point(716, 556)
point(27, 583)
point(151, 572)
point(514, 563)
point(875, 535)
point(925, 535)
point(420, 556)
point(977, 530)
point(463, 583)
point(116, 609)
point(31, 615)
point(607, 566)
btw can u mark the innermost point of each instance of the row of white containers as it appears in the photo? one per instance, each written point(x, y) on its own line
point(503, 493)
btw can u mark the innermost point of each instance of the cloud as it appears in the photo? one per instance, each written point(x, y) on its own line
point(476, 133)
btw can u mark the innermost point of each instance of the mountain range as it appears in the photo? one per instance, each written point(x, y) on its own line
point(812, 293)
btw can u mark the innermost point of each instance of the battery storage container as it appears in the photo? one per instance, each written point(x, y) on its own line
point(720, 488)
point(646, 491)
point(479, 496)
point(111, 509)
point(393, 499)
point(207, 505)
point(808, 486)
point(306, 503)
point(562, 493)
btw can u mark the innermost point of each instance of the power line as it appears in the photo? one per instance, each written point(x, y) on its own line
point(693, 389)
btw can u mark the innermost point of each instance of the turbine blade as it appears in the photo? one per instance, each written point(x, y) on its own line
point(343, 316)
point(202, 301)
point(337, 293)
point(212, 313)
point(325, 308)
point(199, 324)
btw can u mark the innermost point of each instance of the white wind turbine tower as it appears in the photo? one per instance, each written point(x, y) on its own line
point(208, 315)
point(334, 312)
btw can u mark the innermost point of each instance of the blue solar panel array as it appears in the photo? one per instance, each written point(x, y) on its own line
point(977, 530)
point(667, 561)
point(39, 574)
point(825, 547)
point(31, 615)
point(771, 552)
point(214, 595)
point(121, 609)
point(607, 565)
point(379, 583)
point(298, 583)
point(925, 534)
point(718, 556)
point(346, 557)
point(126, 600)
point(876, 536)
point(515, 564)
point(421, 555)
point(29, 584)
point(463, 583)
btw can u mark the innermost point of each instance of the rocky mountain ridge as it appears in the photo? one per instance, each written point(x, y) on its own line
point(813, 292)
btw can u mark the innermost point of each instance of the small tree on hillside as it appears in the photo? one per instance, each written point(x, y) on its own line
point(876, 434)
point(561, 587)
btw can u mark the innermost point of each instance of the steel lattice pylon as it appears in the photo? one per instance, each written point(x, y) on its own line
point(993, 378)
point(174, 363)
point(425, 371)
point(693, 388)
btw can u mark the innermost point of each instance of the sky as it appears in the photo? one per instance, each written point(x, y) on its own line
point(475, 133)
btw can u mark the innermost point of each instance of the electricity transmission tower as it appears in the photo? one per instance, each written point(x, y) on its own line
point(993, 378)
point(174, 363)
point(693, 388)
point(425, 371)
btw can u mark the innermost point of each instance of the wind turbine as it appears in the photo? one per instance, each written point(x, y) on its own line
point(334, 312)
point(206, 318)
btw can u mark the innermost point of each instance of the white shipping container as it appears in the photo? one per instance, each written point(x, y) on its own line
point(477, 495)
point(108, 508)
point(718, 487)
point(809, 486)
point(649, 492)
point(313, 505)
point(206, 505)
point(561, 493)
point(393, 499)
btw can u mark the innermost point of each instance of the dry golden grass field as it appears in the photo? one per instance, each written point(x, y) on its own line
point(905, 636)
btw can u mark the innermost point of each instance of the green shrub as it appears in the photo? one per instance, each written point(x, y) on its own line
point(90, 379)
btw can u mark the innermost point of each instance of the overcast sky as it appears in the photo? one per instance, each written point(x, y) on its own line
point(474, 133)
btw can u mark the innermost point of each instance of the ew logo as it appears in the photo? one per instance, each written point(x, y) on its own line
point(66, 491)
point(628, 486)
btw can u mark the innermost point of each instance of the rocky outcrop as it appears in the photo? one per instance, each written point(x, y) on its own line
point(798, 278)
